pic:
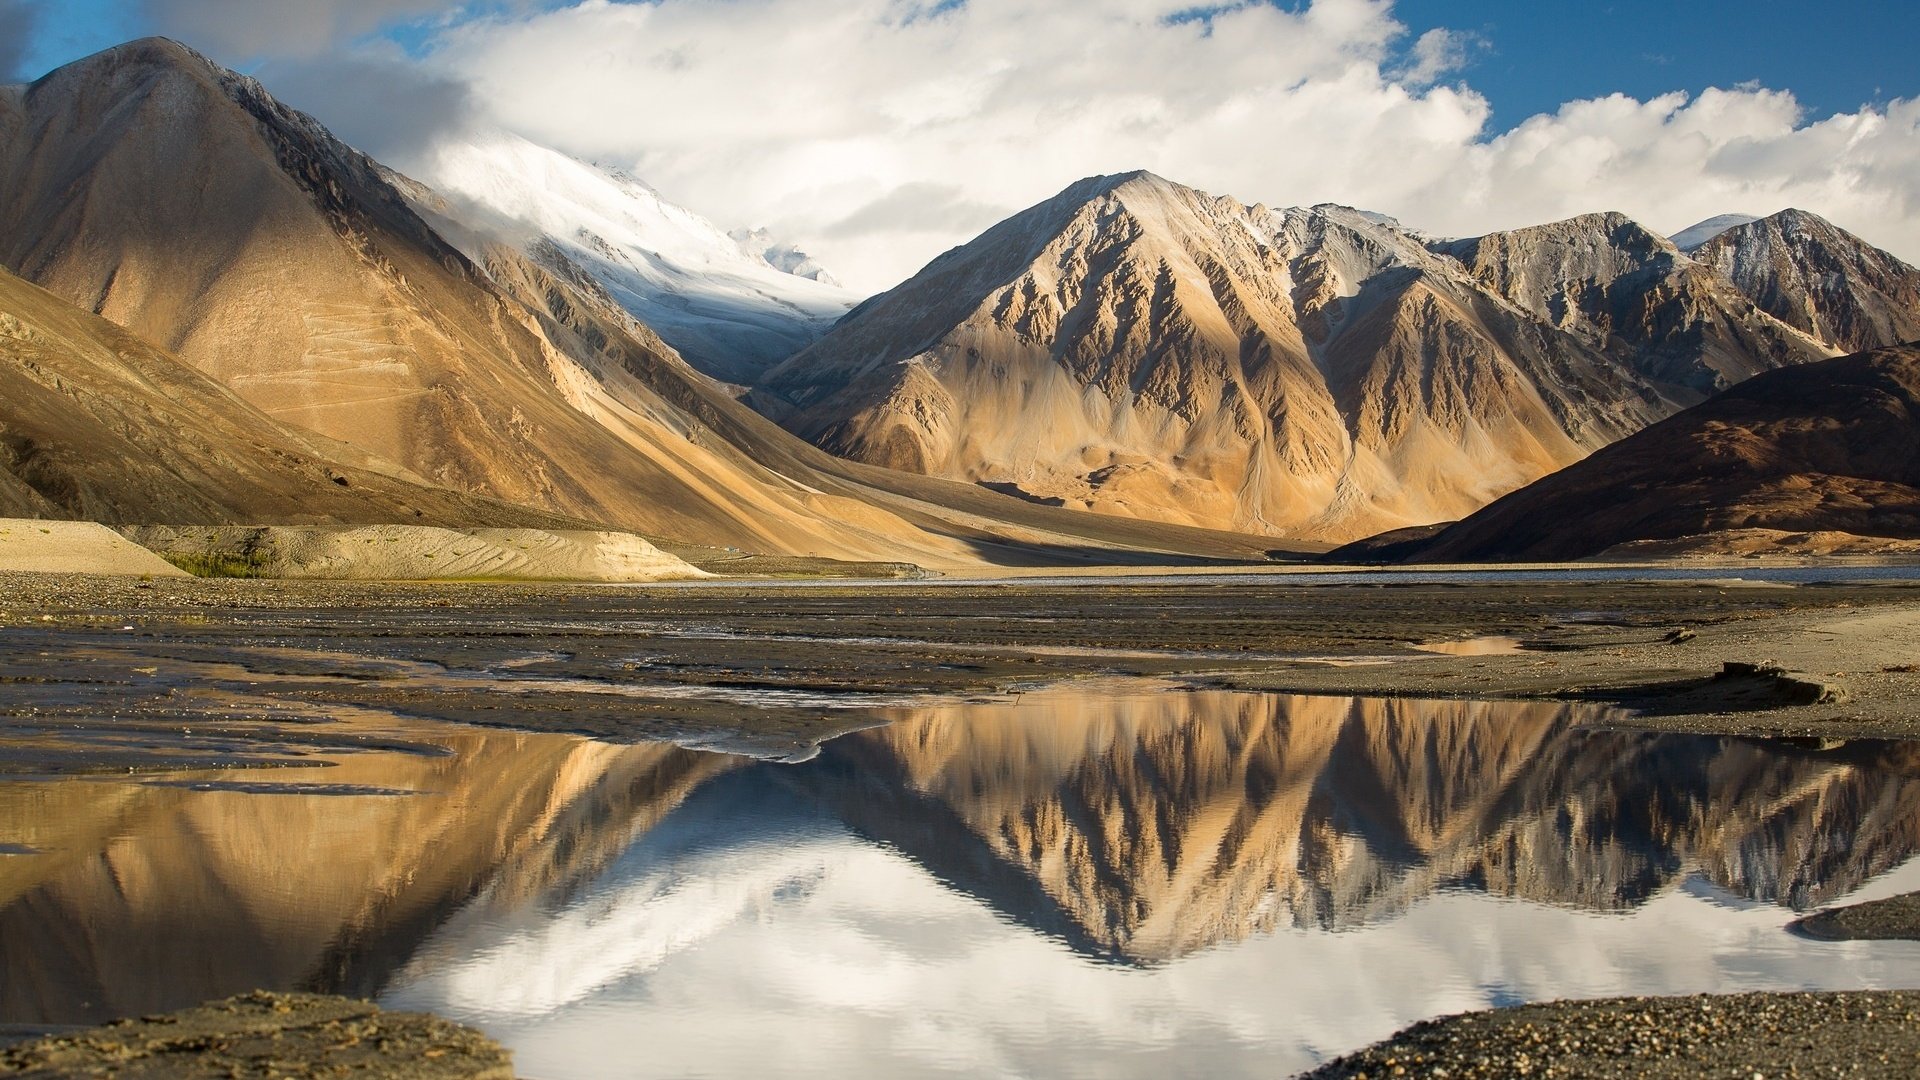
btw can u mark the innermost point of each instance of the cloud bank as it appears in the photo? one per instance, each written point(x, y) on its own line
point(877, 133)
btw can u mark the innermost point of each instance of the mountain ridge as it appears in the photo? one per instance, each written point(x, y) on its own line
point(1139, 348)
point(181, 201)
point(1829, 448)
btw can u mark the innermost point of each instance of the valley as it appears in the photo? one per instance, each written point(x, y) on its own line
point(1162, 635)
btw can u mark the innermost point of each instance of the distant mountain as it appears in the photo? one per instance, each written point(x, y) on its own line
point(731, 304)
point(1690, 238)
point(1140, 348)
point(1629, 293)
point(1814, 276)
point(96, 424)
point(1827, 448)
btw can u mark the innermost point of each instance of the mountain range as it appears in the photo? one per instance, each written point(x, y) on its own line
point(517, 336)
point(308, 280)
point(1137, 347)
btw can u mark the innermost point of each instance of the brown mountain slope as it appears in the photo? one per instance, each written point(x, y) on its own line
point(1151, 828)
point(1140, 348)
point(183, 202)
point(96, 424)
point(1828, 447)
point(1628, 292)
point(179, 200)
point(1808, 273)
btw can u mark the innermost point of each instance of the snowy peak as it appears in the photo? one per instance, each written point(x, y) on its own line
point(1692, 237)
point(786, 258)
point(720, 299)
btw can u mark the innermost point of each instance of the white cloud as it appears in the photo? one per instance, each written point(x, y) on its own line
point(877, 133)
point(280, 27)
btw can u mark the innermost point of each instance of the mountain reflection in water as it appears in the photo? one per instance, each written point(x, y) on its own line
point(985, 884)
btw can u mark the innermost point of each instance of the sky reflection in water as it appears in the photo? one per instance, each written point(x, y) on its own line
point(1094, 881)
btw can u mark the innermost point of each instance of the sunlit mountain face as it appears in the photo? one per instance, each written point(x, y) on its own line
point(1109, 851)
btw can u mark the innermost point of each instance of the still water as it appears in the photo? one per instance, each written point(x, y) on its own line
point(1095, 880)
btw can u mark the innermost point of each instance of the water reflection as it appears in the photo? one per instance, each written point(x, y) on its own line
point(1092, 879)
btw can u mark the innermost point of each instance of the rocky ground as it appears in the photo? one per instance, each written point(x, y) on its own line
point(1730, 1035)
point(264, 1035)
point(1895, 918)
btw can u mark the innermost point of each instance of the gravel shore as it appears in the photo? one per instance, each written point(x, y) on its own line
point(1750, 1036)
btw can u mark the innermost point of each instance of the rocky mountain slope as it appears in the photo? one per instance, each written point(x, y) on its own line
point(96, 424)
point(1814, 276)
point(1827, 448)
point(1155, 828)
point(1140, 348)
point(719, 299)
point(181, 201)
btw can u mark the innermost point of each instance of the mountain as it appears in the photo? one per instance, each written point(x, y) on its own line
point(731, 304)
point(1690, 238)
point(1147, 829)
point(1631, 294)
point(1832, 447)
point(182, 202)
point(1814, 276)
point(96, 424)
point(1140, 348)
point(120, 929)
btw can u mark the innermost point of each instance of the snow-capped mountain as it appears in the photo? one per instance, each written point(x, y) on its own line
point(731, 304)
point(1692, 237)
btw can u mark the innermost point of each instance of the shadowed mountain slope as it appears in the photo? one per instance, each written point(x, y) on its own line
point(1828, 447)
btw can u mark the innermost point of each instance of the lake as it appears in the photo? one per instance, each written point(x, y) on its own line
point(1112, 878)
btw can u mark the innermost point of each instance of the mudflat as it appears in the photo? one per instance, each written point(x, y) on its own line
point(771, 669)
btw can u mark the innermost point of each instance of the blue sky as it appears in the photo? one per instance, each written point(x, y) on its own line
point(1834, 56)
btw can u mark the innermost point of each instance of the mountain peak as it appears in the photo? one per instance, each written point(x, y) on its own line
point(160, 52)
point(1819, 278)
point(1138, 179)
point(1693, 236)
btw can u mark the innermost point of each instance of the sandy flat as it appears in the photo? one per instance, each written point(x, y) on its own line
point(76, 547)
point(413, 553)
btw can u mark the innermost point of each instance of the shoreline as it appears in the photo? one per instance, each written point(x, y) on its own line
point(210, 674)
point(630, 663)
